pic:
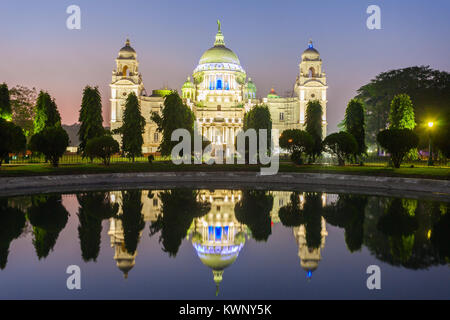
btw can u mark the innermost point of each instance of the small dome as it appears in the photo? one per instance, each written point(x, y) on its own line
point(310, 53)
point(272, 94)
point(188, 84)
point(127, 52)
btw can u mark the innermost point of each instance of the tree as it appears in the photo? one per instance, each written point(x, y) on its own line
point(428, 88)
point(91, 119)
point(401, 115)
point(12, 139)
point(5, 103)
point(175, 115)
point(254, 210)
point(258, 118)
point(46, 113)
point(342, 145)
point(102, 147)
point(52, 142)
point(23, 101)
point(94, 208)
point(313, 123)
point(354, 124)
point(297, 142)
point(132, 128)
point(397, 142)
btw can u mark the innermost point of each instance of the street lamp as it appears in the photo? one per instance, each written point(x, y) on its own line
point(430, 151)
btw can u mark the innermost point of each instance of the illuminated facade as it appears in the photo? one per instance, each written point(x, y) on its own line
point(219, 93)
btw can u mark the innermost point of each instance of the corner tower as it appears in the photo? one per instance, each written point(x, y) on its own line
point(125, 79)
point(311, 84)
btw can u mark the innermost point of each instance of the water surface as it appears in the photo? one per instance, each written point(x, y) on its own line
point(223, 244)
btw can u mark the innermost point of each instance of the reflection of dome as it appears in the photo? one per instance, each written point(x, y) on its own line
point(217, 257)
point(309, 265)
point(127, 52)
point(310, 53)
point(125, 265)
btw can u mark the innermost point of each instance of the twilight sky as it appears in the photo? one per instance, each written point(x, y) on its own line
point(170, 36)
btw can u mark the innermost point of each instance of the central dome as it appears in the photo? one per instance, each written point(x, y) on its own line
point(219, 54)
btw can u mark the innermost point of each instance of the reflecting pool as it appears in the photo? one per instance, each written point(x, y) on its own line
point(223, 244)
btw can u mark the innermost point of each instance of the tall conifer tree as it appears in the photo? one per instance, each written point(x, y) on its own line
point(132, 128)
point(91, 119)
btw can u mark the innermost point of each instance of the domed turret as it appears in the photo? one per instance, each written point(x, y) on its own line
point(127, 52)
point(310, 53)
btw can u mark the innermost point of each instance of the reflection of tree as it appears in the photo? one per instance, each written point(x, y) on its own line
point(410, 250)
point(291, 215)
point(48, 217)
point(12, 223)
point(94, 207)
point(348, 213)
point(312, 213)
point(399, 223)
point(440, 234)
point(178, 208)
point(294, 215)
point(132, 219)
point(253, 210)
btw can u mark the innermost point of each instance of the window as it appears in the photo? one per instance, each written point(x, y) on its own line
point(155, 202)
point(219, 84)
point(156, 137)
point(281, 116)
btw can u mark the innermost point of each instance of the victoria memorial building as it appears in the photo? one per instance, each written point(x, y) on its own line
point(219, 92)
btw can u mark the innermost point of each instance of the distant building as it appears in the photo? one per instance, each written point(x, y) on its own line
point(219, 94)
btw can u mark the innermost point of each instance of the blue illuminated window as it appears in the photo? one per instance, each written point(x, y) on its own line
point(210, 232)
point(218, 233)
point(219, 84)
point(227, 86)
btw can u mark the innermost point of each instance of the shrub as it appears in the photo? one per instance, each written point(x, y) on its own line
point(52, 142)
point(150, 158)
point(297, 142)
point(397, 142)
point(102, 147)
point(12, 139)
point(341, 144)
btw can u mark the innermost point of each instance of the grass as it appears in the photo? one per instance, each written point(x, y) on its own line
point(23, 170)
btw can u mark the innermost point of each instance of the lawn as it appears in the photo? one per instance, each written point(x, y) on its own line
point(418, 171)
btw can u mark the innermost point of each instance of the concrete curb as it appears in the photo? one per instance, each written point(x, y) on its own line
point(54, 183)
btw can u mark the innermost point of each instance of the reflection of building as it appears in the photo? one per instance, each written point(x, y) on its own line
point(124, 260)
point(218, 237)
point(151, 208)
point(219, 93)
point(309, 257)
